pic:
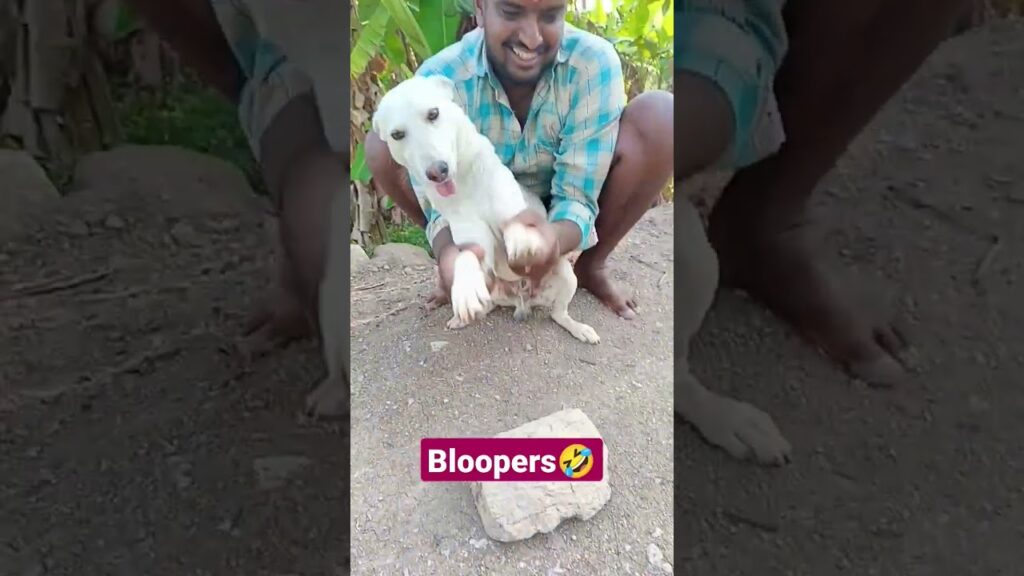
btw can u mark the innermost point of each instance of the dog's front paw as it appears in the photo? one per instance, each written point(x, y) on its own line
point(742, 430)
point(471, 299)
point(456, 323)
point(330, 399)
point(522, 244)
point(585, 333)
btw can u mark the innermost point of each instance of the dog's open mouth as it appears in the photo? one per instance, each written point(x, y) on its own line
point(446, 188)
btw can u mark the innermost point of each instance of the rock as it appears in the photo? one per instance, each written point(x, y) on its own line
point(160, 182)
point(358, 258)
point(437, 345)
point(274, 471)
point(512, 511)
point(76, 228)
point(114, 222)
point(656, 558)
point(184, 234)
point(181, 469)
point(401, 255)
point(27, 197)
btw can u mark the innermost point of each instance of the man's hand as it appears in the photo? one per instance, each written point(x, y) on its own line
point(554, 240)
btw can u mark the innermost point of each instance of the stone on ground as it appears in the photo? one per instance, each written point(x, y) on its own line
point(399, 255)
point(515, 511)
point(27, 195)
point(165, 182)
point(358, 258)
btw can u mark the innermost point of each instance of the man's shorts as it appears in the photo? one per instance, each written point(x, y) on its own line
point(739, 45)
point(286, 49)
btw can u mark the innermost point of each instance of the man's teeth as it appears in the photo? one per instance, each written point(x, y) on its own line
point(524, 55)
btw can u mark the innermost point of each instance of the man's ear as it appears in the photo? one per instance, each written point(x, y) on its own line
point(478, 8)
point(445, 84)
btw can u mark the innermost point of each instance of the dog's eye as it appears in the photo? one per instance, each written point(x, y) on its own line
point(432, 114)
point(398, 134)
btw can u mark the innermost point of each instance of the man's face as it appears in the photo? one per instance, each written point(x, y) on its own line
point(522, 36)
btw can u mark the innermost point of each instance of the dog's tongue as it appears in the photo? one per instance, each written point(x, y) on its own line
point(446, 188)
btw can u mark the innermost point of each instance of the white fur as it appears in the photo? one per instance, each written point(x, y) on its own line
point(486, 197)
point(737, 427)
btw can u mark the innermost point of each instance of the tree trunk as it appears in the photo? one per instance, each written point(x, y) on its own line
point(59, 105)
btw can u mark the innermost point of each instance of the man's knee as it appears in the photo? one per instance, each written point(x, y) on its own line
point(646, 130)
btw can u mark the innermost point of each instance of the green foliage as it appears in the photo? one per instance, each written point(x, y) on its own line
point(403, 33)
point(408, 234)
point(642, 32)
point(186, 114)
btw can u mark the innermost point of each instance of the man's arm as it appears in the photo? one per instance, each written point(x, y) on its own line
point(587, 146)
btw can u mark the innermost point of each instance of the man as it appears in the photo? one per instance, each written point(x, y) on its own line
point(551, 99)
point(830, 66)
point(230, 46)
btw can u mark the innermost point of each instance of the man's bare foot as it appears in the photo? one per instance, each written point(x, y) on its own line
point(593, 276)
point(774, 263)
point(438, 297)
point(279, 321)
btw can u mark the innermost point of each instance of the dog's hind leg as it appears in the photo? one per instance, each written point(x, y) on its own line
point(564, 284)
point(737, 427)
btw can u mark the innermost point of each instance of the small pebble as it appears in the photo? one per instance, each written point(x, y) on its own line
point(114, 222)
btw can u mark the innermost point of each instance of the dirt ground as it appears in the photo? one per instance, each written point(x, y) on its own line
point(131, 442)
point(927, 478)
point(412, 378)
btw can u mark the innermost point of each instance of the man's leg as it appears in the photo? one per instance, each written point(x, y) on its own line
point(642, 166)
point(302, 173)
point(844, 63)
point(299, 167)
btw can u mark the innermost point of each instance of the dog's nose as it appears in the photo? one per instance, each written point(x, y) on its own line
point(437, 172)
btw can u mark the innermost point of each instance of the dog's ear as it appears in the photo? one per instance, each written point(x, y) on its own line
point(444, 84)
point(377, 120)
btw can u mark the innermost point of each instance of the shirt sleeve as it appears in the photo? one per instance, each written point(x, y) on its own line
point(588, 139)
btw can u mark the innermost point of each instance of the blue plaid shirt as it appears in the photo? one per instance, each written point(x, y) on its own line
point(565, 150)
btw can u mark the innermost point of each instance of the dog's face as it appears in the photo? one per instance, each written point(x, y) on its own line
point(420, 122)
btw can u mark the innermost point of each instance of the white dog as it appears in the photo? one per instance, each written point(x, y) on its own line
point(430, 135)
point(739, 428)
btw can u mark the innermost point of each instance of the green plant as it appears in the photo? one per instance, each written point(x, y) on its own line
point(390, 38)
point(642, 32)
